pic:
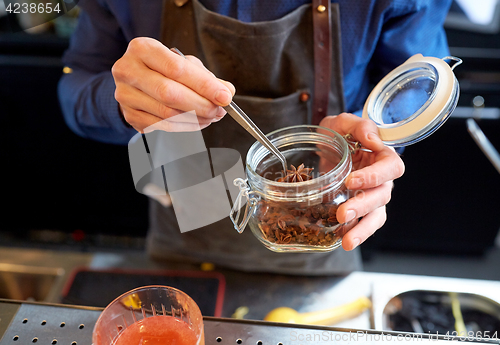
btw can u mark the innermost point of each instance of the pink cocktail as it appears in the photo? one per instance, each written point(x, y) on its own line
point(158, 330)
point(150, 315)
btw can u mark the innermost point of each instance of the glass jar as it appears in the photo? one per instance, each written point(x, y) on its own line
point(407, 105)
point(297, 216)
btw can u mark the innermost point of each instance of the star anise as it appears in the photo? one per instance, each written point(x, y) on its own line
point(299, 174)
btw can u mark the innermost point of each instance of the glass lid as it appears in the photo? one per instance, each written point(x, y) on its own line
point(413, 100)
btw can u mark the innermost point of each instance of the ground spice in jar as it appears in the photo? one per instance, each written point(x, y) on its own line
point(283, 223)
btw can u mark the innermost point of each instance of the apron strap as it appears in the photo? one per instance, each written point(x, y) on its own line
point(322, 58)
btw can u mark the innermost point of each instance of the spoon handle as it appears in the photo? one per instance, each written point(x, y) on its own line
point(244, 121)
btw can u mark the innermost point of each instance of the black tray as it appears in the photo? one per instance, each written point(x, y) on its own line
point(98, 288)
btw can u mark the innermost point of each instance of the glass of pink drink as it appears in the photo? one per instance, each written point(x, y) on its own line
point(150, 315)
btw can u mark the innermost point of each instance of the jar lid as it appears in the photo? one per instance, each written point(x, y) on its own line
point(413, 100)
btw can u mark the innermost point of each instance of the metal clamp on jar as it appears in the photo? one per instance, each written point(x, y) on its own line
point(408, 105)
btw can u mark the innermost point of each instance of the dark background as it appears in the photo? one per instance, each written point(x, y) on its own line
point(53, 179)
point(78, 189)
point(447, 200)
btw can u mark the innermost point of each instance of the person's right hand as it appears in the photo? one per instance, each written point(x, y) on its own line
point(153, 84)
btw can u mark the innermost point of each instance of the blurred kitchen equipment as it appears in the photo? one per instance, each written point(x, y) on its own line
point(457, 313)
point(244, 121)
point(321, 317)
point(78, 322)
point(33, 283)
point(467, 15)
point(484, 144)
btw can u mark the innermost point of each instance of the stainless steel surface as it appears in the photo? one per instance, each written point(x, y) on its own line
point(484, 144)
point(57, 324)
point(244, 121)
point(23, 282)
point(7, 312)
point(47, 270)
point(262, 292)
point(226, 331)
point(45, 324)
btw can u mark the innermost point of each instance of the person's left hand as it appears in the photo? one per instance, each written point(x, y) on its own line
point(371, 179)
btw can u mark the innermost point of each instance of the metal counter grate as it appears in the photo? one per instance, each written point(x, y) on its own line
point(39, 324)
point(51, 324)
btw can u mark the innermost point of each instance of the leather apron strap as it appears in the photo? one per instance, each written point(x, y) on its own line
point(322, 58)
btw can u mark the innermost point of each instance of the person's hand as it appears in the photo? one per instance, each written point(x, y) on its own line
point(371, 179)
point(153, 84)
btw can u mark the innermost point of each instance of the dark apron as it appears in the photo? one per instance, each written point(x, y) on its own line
point(271, 65)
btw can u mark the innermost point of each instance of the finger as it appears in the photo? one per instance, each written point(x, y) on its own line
point(387, 167)
point(190, 117)
point(363, 130)
point(139, 100)
point(173, 66)
point(169, 126)
point(198, 62)
point(194, 60)
point(229, 86)
point(218, 118)
point(138, 119)
point(364, 202)
point(144, 122)
point(173, 94)
point(364, 229)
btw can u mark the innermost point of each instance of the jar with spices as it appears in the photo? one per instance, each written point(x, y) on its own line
point(295, 210)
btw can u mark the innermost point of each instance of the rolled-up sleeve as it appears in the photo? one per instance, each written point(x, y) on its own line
point(87, 93)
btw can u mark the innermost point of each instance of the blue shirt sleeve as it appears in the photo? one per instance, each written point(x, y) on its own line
point(387, 34)
point(87, 94)
point(409, 30)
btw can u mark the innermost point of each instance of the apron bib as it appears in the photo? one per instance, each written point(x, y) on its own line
point(271, 65)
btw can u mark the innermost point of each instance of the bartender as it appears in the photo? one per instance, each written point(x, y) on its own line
point(271, 58)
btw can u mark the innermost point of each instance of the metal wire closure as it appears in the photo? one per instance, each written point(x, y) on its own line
point(458, 61)
point(354, 145)
point(242, 198)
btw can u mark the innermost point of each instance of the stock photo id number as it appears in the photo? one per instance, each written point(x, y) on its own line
point(24, 15)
